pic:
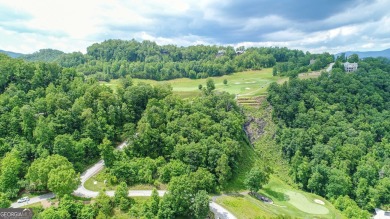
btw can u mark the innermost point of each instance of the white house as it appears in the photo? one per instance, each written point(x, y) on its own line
point(350, 67)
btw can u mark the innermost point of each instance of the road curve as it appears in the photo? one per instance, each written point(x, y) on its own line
point(81, 191)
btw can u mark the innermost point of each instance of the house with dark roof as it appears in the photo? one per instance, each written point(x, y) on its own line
point(239, 52)
point(221, 53)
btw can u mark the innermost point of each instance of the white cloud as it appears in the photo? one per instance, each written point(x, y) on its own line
point(361, 13)
point(31, 42)
point(267, 21)
point(285, 35)
point(182, 40)
point(77, 19)
point(73, 25)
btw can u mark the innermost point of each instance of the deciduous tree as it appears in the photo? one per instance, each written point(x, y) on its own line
point(63, 181)
point(256, 179)
point(200, 206)
point(9, 177)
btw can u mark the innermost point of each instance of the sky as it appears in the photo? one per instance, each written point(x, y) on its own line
point(310, 25)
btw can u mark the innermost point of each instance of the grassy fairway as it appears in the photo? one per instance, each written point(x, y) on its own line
point(287, 201)
point(247, 83)
point(300, 201)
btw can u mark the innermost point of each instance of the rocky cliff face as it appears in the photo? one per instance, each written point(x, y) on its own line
point(254, 128)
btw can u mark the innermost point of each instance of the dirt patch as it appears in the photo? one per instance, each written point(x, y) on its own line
point(313, 74)
point(48, 203)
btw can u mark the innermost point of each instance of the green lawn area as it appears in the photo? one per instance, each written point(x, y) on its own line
point(300, 201)
point(287, 201)
point(246, 83)
point(96, 182)
point(100, 177)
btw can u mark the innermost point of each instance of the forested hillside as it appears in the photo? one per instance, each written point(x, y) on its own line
point(43, 55)
point(335, 132)
point(192, 145)
point(54, 122)
point(46, 109)
point(116, 58)
point(113, 59)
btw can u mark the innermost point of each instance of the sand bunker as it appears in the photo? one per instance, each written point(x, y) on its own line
point(319, 202)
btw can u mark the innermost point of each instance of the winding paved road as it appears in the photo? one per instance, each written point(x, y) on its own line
point(330, 67)
point(81, 191)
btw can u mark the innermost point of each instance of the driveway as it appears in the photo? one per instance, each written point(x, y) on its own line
point(81, 191)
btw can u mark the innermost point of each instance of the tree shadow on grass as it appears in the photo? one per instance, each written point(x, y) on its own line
point(276, 195)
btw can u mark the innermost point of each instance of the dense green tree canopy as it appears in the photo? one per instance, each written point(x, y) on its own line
point(9, 171)
point(45, 55)
point(63, 181)
point(334, 130)
point(52, 118)
point(120, 58)
point(256, 178)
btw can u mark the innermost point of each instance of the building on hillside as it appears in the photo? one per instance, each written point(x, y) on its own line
point(350, 67)
point(381, 214)
point(239, 52)
point(221, 53)
point(312, 61)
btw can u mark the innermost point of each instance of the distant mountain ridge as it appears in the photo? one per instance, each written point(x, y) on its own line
point(384, 53)
point(11, 54)
point(43, 55)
